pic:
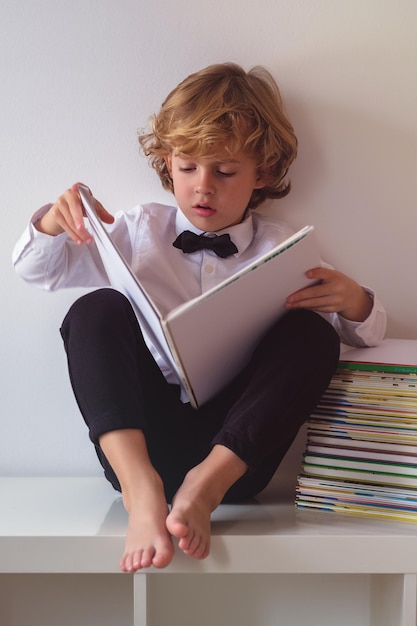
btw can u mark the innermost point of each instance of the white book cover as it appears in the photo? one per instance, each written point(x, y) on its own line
point(365, 455)
point(342, 443)
point(209, 339)
point(401, 352)
point(361, 465)
point(366, 477)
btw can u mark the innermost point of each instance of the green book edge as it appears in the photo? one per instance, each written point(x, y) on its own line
point(377, 367)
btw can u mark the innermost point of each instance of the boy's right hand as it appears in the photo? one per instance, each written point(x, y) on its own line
point(67, 215)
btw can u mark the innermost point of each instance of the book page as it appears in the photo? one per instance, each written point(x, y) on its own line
point(122, 278)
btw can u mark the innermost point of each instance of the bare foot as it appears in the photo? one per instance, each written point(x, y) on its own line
point(199, 495)
point(148, 541)
point(189, 520)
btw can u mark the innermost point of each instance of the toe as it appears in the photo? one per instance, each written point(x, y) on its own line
point(146, 558)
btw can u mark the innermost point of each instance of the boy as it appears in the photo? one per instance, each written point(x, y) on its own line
point(222, 144)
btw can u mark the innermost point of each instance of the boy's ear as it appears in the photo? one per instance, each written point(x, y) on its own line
point(261, 179)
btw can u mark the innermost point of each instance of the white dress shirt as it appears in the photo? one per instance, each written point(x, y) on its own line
point(144, 236)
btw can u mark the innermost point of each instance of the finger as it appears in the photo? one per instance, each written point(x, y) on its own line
point(68, 215)
point(103, 214)
point(316, 291)
point(75, 206)
point(325, 304)
point(75, 190)
point(320, 273)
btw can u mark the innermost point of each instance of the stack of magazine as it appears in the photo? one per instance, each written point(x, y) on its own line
point(361, 451)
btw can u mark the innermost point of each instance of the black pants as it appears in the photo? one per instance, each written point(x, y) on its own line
point(118, 385)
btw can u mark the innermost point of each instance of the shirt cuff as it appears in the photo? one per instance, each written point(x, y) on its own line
point(34, 239)
point(371, 331)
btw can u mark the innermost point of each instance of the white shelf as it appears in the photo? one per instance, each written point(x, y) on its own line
point(77, 526)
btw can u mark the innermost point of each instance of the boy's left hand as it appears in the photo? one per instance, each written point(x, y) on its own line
point(333, 293)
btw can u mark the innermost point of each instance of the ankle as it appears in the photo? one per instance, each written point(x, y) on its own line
point(212, 478)
point(148, 485)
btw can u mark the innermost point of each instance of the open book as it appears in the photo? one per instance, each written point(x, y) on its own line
point(209, 339)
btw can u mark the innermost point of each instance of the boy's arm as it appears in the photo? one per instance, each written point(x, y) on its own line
point(48, 254)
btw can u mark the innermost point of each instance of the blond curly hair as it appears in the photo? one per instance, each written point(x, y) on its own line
point(224, 110)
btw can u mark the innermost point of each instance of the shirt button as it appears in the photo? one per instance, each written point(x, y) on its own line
point(209, 269)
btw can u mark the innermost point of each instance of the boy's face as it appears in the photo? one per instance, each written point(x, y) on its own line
point(213, 193)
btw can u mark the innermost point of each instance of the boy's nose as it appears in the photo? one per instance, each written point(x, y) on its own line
point(205, 185)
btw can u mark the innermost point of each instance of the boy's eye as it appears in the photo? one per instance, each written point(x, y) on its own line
point(191, 167)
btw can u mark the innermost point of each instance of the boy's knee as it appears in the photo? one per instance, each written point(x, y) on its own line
point(313, 334)
point(103, 307)
point(312, 325)
point(321, 332)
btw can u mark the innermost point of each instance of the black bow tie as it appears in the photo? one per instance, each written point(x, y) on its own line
point(222, 245)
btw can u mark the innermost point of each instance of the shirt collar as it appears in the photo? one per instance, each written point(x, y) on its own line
point(241, 234)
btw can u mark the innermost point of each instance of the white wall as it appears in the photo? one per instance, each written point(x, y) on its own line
point(78, 78)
